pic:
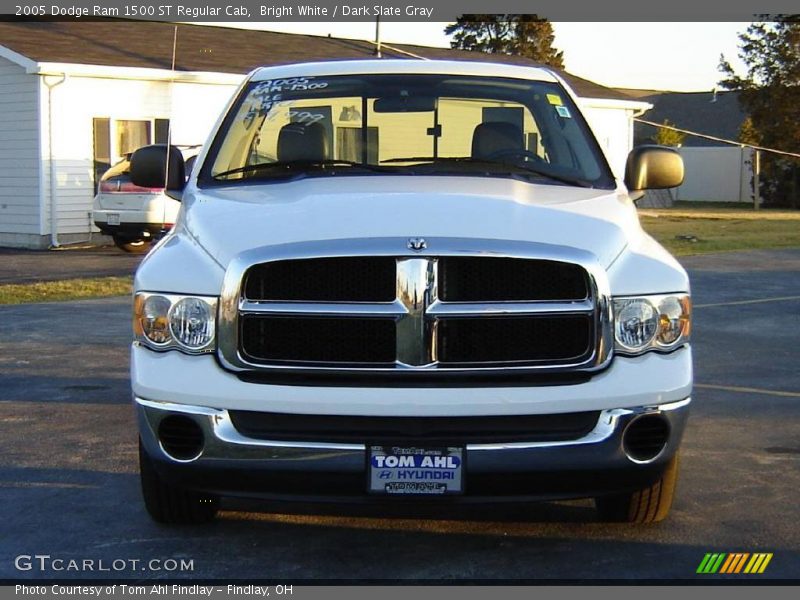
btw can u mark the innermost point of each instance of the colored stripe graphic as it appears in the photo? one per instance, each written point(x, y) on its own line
point(711, 563)
point(759, 562)
point(734, 562)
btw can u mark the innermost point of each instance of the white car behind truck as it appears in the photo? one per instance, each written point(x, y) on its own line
point(134, 216)
point(414, 283)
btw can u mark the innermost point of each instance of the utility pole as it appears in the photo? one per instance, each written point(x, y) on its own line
point(756, 179)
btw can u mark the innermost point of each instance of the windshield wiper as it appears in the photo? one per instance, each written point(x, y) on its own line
point(519, 166)
point(288, 166)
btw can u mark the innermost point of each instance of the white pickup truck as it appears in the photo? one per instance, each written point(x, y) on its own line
point(408, 283)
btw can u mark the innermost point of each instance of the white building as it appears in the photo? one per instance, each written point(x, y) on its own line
point(76, 96)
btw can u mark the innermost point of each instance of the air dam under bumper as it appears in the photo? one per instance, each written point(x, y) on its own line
point(232, 464)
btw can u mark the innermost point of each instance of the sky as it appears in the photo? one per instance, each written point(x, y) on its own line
point(660, 56)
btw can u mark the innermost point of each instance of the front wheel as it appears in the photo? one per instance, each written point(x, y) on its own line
point(648, 505)
point(134, 246)
point(167, 503)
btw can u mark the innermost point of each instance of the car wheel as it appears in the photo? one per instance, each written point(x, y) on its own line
point(648, 505)
point(139, 246)
point(167, 503)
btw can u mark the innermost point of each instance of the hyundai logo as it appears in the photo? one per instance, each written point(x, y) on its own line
point(417, 244)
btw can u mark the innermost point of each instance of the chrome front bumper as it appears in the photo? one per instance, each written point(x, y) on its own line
point(236, 458)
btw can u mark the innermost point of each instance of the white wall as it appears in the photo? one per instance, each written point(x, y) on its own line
point(19, 156)
point(192, 108)
point(613, 128)
point(717, 174)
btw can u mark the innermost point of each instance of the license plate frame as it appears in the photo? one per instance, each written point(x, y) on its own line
point(112, 219)
point(396, 477)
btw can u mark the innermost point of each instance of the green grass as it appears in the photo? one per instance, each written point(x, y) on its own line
point(714, 228)
point(67, 289)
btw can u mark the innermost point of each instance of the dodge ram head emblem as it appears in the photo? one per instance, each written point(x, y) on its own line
point(417, 244)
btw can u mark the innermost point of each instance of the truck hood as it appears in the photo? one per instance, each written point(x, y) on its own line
point(231, 219)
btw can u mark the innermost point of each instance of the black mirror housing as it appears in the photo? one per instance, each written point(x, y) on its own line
point(157, 166)
point(653, 167)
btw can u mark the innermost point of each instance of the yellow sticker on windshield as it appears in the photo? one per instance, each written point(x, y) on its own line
point(554, 99)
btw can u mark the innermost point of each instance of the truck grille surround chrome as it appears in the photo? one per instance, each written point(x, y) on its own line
point(376, 305)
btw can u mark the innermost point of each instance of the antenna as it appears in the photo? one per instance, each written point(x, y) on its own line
point(378, 36)
point(169, 131)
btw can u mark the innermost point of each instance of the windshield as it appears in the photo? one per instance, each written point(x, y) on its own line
point(405, 125)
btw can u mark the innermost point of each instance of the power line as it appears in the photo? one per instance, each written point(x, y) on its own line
point(717, 139)
point(381, 45)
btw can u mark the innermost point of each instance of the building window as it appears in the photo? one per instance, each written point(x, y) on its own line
point(132, 135)
point(102, 148)
point(161, 127)
point(114, 140)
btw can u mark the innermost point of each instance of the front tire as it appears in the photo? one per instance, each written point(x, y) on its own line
point(139, 246)
point(170, 504)
point(648, 505)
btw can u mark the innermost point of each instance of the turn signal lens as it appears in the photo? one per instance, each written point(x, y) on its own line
point(154, 321)
point(674, 315)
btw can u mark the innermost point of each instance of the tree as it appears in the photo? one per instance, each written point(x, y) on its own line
point(668, 137)
point(748, 134)
point(769, 92)
point(518, 35)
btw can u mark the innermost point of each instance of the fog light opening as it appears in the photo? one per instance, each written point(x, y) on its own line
point(181, 438)
point(645, 438)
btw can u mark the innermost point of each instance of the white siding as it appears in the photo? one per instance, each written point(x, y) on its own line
point(19, 154)
point(613, 128)
point(193, 109)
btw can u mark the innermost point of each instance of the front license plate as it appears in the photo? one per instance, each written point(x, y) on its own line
point(113, 218)
point(397, 470)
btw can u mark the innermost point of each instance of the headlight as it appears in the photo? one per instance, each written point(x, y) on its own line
point(165, 321)
point(645, 323)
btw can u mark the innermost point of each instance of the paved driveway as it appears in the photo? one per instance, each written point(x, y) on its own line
point(25, 266)
point(69, 485)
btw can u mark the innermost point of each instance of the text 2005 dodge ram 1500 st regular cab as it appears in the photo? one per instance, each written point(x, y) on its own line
point(408, 282)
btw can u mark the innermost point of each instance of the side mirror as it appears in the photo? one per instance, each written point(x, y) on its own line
point(158, 167)
point(653, 168)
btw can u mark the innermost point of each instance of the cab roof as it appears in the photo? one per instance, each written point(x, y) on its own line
point(402, 66)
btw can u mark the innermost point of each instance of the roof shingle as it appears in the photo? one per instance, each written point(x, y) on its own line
point(148, 44)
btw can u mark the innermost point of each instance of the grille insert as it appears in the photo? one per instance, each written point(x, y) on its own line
point(515, 339)
point(488, 279)
point(349, 279)
point(442, 430)
point(318, 340)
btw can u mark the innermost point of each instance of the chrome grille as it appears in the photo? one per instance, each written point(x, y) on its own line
point(506, 306)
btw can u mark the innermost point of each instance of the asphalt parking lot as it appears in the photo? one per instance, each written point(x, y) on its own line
point(28, 266)
point(69, 483)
